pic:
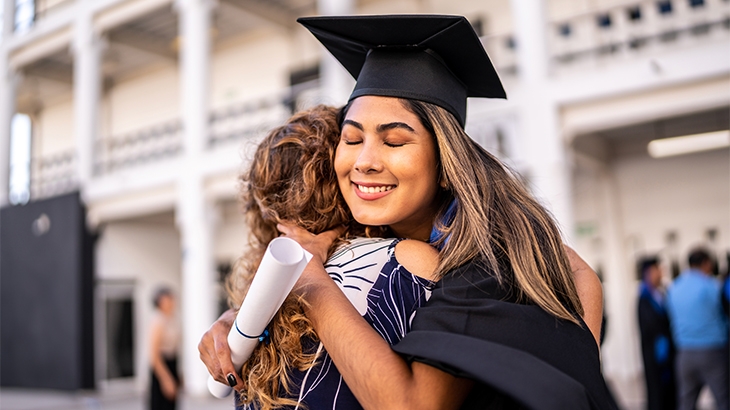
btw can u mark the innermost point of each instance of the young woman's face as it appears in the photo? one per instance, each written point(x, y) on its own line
point(386, 167)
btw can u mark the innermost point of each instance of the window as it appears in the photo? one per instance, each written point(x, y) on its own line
point(510, 43)
point(20, 142)
point(603, 20)
point(664, 7)
point(696, 3)
point(24, 15)
point(634, 13)
point(565, 30)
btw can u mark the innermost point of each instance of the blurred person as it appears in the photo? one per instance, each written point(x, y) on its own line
point(700, 333)
point(164, 344)
point(726, 286)
point(656, 340)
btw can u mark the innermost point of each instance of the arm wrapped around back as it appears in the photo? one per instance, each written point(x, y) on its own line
point(520, 355)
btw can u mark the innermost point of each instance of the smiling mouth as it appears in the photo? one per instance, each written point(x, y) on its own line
point(374, 189)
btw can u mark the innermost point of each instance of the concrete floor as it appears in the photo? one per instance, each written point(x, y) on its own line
point(25, 399)
point(127, 397)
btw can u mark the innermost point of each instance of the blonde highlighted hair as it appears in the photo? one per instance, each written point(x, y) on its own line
point(497, 222)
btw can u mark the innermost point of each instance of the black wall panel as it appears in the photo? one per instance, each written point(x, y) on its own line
point(46, 295)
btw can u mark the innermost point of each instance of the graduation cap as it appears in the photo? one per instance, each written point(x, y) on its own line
point(433, 58)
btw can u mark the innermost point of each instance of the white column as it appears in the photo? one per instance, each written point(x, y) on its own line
point(193, 210)
point(336, 82)
point(549, 172)
point(8, 83)
point(8, 19)
point(87, 47)
point(620, 351)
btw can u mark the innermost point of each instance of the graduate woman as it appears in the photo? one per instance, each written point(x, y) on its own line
point(502, 328)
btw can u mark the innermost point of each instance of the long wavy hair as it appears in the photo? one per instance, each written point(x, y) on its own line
point(496, 222)
point(291, 179)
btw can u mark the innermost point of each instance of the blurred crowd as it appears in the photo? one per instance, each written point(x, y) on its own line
point(684, 332)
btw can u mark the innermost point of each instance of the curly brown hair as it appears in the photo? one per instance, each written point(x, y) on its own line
point(291, 178)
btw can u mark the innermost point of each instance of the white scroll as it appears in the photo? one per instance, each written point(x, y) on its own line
point(279, 270)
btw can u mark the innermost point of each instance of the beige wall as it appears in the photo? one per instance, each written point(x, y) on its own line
point(144, 101)
point(54, 129)
point(257, 66)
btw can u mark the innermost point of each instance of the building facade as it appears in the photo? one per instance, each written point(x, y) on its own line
point(151, 108)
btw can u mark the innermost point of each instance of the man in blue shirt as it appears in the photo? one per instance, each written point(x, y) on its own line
point(700, 333)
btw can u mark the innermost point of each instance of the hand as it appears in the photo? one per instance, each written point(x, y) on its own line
point(317, 245)
point(169, 388)
point(215, 352)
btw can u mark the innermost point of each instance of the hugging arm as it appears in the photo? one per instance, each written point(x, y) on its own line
point(372, 370)
point(590, 292)
point(379, 377)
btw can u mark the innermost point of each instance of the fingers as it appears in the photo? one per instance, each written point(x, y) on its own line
point(333, 234)
point(206, 347)
point(215, 352)
point(229, 375)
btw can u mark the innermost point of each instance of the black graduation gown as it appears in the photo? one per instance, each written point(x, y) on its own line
point(519, 355)
point(658, 366)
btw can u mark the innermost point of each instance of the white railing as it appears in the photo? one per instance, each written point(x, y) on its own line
point(147, 145)
point(619, 31)
point(247, 120)
point(165, 140)
point(53, 175)
point(634, 27)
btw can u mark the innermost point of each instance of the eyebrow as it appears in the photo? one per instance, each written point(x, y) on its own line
point(354, 124)
point(381, 127)
point(392, 125)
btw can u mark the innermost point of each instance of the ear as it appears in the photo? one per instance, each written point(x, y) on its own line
point(442, 183)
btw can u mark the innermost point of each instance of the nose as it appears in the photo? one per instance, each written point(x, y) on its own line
point(368, 160)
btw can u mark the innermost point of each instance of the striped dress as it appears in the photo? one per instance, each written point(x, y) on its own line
point(383, 292)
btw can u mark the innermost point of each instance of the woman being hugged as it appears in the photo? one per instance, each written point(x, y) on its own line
point(291, 179)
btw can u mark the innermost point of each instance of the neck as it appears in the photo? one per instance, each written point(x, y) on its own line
point(421, 233)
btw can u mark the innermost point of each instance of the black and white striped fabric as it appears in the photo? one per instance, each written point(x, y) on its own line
point(383, 292)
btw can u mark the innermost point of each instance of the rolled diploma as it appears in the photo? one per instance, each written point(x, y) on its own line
point(279, 270)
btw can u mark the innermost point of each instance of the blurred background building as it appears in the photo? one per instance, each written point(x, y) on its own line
point(141, 113)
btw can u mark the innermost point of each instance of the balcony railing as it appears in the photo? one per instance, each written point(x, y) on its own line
point(53, 175)
point(165, 140)
point(634, 27)
point(247, 120)
point(143, 146)
point(619, 31)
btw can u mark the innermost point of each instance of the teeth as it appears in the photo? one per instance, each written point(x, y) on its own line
point(374, 189)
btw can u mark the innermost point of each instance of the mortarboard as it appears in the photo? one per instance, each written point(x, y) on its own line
point(434, 58)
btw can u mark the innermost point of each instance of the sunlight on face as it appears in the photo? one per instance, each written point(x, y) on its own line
point(387, 167)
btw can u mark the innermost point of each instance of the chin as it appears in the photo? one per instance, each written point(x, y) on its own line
point(370, 220)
